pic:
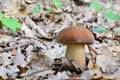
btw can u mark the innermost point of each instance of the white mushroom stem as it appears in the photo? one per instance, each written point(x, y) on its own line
point(76, 53)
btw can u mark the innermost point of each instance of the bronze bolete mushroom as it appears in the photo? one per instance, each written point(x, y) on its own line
point(75, 38)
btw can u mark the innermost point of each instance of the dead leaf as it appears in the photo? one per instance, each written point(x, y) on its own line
point(19, 58)
point(27, 31)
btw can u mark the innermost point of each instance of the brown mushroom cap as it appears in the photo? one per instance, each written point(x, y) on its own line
point(75, 35)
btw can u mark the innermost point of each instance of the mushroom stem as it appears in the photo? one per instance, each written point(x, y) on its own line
point(76, 52)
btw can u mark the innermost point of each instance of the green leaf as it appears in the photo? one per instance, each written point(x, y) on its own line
point(11, 23)
point(111, 16)
point(110, 8)
point(36, 9)
point(96, 5)
point(99, 29)
point(48, 11)
point(57, 3)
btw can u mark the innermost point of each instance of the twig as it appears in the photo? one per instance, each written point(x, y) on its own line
point(7, 33)
point(37, 72)
point(12, 47)
point(21, 36)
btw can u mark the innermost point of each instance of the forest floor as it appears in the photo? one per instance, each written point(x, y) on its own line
point(32, 52)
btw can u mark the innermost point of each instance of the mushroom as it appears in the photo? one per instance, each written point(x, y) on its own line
point(75, 38)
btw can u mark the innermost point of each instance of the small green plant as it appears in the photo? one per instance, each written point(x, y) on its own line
point(110, 8)
point(57, 3)
point(99, 29)
point(36, 9)
point(48, 11)
point(111, 16)
point(11, 23)
point(96, 5)
point(108, 14)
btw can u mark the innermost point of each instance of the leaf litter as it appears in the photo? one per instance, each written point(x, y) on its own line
point(33, 53)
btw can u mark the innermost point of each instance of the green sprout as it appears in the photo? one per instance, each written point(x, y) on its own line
point(48, 11)
point(111, 16)
point(11, 23)
point(57, 3)
point(96, 5)
point(99, 29)
point(36, 9)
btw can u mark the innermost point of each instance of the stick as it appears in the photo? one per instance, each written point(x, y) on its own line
point(12, 47)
